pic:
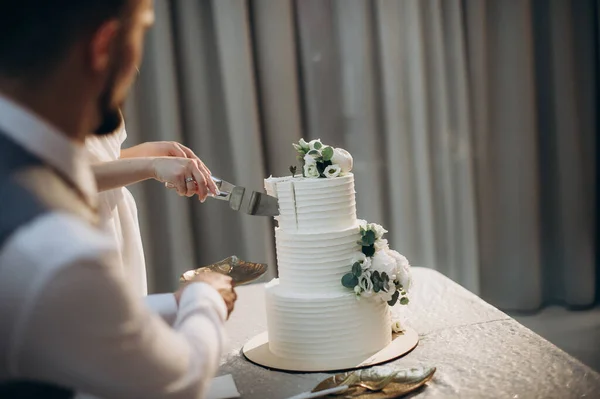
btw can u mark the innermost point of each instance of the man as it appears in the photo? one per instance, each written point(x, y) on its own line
point(69, 323)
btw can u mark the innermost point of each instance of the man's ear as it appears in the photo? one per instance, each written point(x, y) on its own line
point(101, 44)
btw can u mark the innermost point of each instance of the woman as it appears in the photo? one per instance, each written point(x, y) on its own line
point(167, 162)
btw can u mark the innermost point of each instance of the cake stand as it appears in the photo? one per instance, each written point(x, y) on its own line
point(257, 351)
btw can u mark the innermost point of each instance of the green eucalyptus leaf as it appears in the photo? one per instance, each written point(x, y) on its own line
point(349, 280)
point(369, 237)
point(318, 145)
point(385, 277)
point(313, 152)
point(356, 269)
point(376, 278)
point(368, 250)
point(327, 153)
point(394, 299)
point(403, 300)
point(321, 168)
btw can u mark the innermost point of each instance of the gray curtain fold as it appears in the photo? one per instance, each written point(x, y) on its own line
point(472, 124)
point(534, 112)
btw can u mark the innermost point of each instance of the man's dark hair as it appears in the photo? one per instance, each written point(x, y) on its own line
point(35, 34)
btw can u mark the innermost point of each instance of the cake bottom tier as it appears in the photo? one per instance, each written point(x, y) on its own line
point(325, 327)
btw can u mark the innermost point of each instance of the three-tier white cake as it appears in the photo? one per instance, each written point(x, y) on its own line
point(311, 316)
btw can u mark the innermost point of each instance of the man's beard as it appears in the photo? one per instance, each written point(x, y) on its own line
point(110, 114)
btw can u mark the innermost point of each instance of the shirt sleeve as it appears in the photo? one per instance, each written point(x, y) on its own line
point(86, 330)
point(164, 305)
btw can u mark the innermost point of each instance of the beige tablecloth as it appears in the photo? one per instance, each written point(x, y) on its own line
point(479, 351)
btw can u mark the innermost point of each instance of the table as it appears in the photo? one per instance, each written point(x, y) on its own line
point(479, 351)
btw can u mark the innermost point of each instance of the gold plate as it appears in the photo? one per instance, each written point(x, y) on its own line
point(240, 271)
point(404, 382)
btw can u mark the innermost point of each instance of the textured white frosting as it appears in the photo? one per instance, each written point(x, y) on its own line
point(314, 205)
point(315, 262)
point(325, 328)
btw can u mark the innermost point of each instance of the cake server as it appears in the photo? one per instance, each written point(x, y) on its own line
point(254, 203)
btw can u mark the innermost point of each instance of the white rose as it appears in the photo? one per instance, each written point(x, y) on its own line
point(397, 326)
point(343, 158)
point(384, 263)
point(404, 278)
point(332, 171)
point(377, 229)
point(365, 283)
point(304, 145)
point(311, 171)
point(402, 269)
point(361, 258)
point(309, 160)
point(312, 145)
point(381, 245)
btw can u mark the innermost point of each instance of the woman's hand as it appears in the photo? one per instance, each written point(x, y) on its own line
point(173, 149)
point(187, 176)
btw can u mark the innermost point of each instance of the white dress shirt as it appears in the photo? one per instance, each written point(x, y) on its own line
point(67, 315)
point(118, 213)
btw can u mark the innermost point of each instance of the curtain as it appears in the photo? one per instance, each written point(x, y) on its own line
point(472, 124)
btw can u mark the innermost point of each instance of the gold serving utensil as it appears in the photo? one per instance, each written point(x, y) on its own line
point(374, 385)
point(377, 383)
point(240, 271)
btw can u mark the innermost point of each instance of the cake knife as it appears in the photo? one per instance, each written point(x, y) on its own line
point(255, 203)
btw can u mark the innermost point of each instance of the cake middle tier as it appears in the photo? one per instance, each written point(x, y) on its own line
point(315, 262)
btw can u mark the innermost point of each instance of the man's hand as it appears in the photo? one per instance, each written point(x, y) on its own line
point(223, 284)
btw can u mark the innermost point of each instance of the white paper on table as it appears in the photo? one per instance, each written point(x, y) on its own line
point(222, 387)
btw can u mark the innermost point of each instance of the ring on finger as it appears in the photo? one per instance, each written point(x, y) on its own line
point(189, 179)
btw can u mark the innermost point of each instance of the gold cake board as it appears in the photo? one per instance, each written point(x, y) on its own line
point(257, 351)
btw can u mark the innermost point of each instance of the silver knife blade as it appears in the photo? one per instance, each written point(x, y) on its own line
point(257, 204)
point(262, 204)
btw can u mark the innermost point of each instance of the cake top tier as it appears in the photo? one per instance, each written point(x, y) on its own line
point(310, 205)
point(321, 197)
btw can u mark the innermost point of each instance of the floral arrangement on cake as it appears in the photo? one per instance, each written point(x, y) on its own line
point(322, 161)
point(377, 270)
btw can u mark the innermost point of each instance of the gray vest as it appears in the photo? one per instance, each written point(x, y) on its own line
point(28, 189)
